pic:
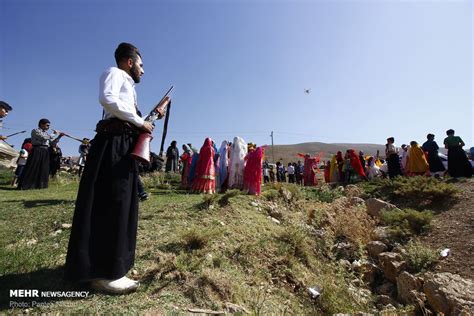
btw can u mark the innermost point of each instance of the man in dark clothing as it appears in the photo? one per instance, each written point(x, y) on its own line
point(55, 155)
point(104, 230)
point(172, 156)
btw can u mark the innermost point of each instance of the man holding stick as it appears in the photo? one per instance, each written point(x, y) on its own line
point(4, 109)
point(103, 236)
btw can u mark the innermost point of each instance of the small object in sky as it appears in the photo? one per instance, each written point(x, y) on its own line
point(307, 91)
point(445, 252)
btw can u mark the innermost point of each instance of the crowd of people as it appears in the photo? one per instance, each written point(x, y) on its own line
point(408, 160)
point(235, 165)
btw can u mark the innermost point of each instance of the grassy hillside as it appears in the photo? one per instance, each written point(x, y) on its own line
point(192, 252)
point(225, 252)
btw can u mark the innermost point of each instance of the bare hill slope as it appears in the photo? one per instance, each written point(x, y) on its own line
point(288, 153)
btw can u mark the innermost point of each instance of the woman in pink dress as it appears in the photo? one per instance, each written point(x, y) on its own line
point(205, 174)
point(186, 159)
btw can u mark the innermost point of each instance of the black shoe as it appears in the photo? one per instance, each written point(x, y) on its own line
point(143, 196)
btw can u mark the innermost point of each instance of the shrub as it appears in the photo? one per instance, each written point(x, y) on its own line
point(420, 258)
point(416, 192)
point(323, 194)
point(349, 222)
point(208, 201)
point(293, 189)
point(271, 195)
point(197, 238)
point(406, 223)
point(294, 241)
point(225, 198)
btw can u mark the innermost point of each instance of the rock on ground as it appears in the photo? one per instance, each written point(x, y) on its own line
point(449, 293)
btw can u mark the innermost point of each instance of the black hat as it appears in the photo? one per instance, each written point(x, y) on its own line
point(5, 105)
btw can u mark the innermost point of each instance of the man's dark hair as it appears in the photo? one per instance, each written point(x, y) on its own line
point(125, 51)
point(391, 139)
point(43, 121)
point(429, 136)
point(450, 132)
point(5, 106)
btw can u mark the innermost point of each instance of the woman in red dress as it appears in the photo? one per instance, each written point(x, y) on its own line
point(253, 171)
point(310, 165)
point(205, 174)
point(356, 164)
point(186, 159)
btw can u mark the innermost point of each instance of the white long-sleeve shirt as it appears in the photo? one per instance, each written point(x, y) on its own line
point(118, 97)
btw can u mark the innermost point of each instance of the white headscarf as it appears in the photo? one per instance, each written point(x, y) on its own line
point(237, 163)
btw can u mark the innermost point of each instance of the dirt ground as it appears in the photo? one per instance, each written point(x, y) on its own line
point(454, 229)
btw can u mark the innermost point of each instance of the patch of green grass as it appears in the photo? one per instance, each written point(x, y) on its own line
point(419, 257)
point(323, 193)
point(407, 223)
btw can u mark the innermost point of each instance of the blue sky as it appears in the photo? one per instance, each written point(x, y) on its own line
point(375, 68)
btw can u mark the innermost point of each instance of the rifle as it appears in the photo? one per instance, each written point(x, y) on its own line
point(15, 134)
point(72, 137)
point(141, 151)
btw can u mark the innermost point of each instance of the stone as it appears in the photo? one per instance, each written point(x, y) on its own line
point(367, 270)
point(275, 220)
point(356, 201)
point(374, 248)
point(345, 264)
point(449, 293)
point(31, 242)
point(384, 300)
point(392, 265)
point(352, 190)
point(66, 226)
point(381, 233)
point(375, 206)
point(287, 195)
point(406, 283)
point(275, 212)
point(57, 232)
point(386, 288)
point(234, 308)
point(345, 250)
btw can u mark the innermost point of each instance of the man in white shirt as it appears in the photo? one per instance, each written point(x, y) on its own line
point(103, 236)
point(4, 109)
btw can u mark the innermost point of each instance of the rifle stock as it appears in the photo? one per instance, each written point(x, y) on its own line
point(141, 151)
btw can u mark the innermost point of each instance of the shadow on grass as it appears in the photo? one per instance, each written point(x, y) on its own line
point(39, 203)
point(41, 280)
point(2, 188)
point(174, 247)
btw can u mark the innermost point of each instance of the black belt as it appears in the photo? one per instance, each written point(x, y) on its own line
point(116, 127)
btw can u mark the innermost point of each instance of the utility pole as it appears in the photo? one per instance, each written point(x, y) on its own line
point(273, 153)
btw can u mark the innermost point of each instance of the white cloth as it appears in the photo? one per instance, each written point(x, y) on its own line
point(290, 170)
point(373, 171)
point(22, 158)
point(118, 97)
point(237, 163)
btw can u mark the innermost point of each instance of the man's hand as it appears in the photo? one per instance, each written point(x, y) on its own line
point(147, 127)
point(3, 137)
